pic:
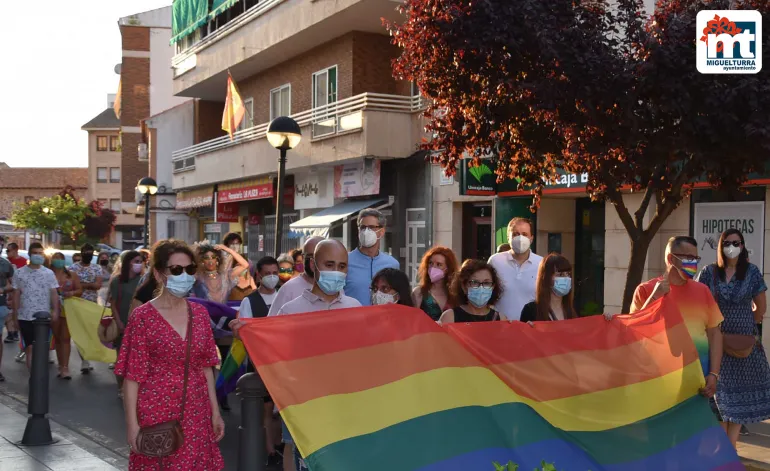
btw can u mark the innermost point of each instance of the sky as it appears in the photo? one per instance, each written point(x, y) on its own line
point(58, 67)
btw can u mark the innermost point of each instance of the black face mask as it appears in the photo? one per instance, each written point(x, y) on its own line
point(104, 263)
point(308, 270)
point(86, 258)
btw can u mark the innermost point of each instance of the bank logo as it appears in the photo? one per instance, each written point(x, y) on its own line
point(729, 41)
point(480, 171)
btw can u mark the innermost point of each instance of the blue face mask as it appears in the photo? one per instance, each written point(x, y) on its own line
point(479, 296)
point(36, 259)
point(331, 282)
point(180, 285)
point(58, 263)
point(562, 285)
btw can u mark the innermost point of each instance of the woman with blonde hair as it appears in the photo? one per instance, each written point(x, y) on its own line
point(436, 271)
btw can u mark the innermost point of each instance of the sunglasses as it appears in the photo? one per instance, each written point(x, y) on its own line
point(177, 270)
point(286, 270)
point(734, 243)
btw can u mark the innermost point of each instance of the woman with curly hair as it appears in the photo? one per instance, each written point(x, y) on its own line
point(476, 288)
point(436, 271)
point(215, 280)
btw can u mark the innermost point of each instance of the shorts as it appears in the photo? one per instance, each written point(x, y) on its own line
point(27, 329)
point(285, 435)
point(3, 316)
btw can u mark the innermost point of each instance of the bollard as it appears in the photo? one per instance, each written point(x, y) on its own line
point(38, 430)
point(252, 454)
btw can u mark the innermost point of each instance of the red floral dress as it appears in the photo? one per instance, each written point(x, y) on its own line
point(153, 355)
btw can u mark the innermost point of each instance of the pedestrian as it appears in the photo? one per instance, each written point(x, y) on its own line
point(216, 279)
point(35, 290)
point(517, 268)
point(476, 288)
point(122, 289)
point(69, 286)
point(299, 261)
point(694, 301)
point(91, 279)
point(437, 269)
point(367, 259)
point(294, 287)
point(331, 266)
point(257, 304)
point(502, 248)
point(285, 268)
point(76, 258)
point(391, 286)
point(103, 260)
point(246, 283)
point(157, 372)
point(12, 320)
point(553, 294)
point(743, 388)
point(6, 288)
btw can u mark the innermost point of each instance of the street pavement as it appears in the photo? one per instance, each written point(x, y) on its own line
point(88, 406)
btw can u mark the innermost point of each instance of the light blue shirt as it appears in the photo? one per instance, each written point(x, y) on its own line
point(361, 270)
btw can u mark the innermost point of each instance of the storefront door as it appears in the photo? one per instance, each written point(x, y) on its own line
point(477, 244)
point(589, 257)
point(416, 238)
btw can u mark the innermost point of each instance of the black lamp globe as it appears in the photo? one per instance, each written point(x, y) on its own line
point(284, 133)
point(147, 185)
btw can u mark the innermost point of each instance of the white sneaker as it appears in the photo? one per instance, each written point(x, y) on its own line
point(85, 367)
point(20, 357)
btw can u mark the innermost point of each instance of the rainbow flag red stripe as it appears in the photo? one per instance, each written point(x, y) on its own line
point(385, 388)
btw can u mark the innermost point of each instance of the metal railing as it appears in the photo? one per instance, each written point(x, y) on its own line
point(328, 120)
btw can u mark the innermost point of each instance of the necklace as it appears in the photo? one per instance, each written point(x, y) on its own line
point(212, 274)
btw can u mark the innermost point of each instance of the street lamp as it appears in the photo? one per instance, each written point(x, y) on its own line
point(147, 186)
point(283, 134)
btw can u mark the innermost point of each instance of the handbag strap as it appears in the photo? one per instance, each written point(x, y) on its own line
point(187, 357)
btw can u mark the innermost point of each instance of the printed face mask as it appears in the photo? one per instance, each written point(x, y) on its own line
point(379, 298)
point(689, 267)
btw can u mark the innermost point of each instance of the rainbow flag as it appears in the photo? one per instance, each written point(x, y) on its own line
point(233, 367)
point(385, 388)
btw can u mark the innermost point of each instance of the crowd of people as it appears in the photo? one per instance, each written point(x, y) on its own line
point(147, 294)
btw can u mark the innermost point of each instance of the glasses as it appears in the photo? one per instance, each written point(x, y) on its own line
point(734, 243)
point(177, 270)
point(684, 257)
point(286, 270)
point(210, 257)
point(477, 283)
point(372, 228)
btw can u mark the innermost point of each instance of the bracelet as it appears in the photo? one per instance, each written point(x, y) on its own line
point(716, 375)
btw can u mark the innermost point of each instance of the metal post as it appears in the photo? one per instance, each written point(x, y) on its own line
point(279, 204)
point(38, 430)
point(252, 454)
point(147, 220)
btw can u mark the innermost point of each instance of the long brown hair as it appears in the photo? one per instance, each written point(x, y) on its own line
point(464, 275)
point(743, 259)
point(549, 266)
point(451, 268)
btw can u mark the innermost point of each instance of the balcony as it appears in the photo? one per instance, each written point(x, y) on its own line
point(369, 124)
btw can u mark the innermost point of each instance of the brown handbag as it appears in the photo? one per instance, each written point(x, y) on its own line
point(734, 345)
point(166, 438)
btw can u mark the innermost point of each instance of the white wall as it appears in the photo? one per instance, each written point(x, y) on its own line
point(175, 130)
point(161, 76)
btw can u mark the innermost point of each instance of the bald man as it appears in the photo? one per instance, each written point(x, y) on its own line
point(294, 287)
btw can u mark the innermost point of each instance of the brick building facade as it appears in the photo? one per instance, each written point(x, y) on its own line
point(22, 184)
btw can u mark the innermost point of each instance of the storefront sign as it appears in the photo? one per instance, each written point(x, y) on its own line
point(479, 180)
point(195, 198)
point(252, 192)
point(227, 212)
point(358, 179)
point(711, 219)
point(212, 228)
point(314, 190)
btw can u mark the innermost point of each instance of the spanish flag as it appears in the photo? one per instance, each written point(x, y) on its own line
point(234, 109)
point(118, 99)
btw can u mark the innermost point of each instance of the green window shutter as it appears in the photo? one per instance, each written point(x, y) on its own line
point(187, 16)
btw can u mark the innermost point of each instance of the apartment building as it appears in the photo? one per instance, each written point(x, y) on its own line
point(328, 65)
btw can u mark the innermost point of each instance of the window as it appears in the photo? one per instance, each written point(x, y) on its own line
point(415, 89)
point(114, 174)
point(101, 174)
point(248, 117)
point(280, 101)
point(104, 202)
point(101, 143)
point(324, 93)
point(114, 143)
point(115, 206)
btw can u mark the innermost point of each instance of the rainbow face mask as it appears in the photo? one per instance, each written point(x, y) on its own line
point(689, 267)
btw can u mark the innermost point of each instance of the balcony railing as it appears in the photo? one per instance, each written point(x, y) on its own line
point(328, 120)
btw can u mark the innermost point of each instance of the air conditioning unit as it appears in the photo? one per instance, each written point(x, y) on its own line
point(141, 151)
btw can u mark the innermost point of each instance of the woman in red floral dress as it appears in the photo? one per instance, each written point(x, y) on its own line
point(152, 359)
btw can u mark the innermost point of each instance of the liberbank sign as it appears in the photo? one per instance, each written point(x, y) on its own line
point(482, 181)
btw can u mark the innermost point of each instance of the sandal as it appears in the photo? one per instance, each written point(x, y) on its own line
point(65, 374)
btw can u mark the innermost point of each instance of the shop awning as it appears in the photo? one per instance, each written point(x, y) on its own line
point(187, 16)
point(320, 222)
point(254, 189)
point(195, 198)
point(221, 6)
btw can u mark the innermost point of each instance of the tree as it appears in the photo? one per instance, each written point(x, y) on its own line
point(586, 87)
point(64, 213)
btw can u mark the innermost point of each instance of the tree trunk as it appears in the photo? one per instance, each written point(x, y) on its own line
point(639, 247)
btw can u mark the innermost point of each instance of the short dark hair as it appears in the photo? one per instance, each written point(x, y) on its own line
point(398, 281)
point(295, 253)
point(232, 237)
point(13, 246)
point(677, 241)
point(466, 271)
point(86, 246)
point(265, 261)
point(34, 246)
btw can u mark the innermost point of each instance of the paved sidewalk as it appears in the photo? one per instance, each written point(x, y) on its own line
point(754, 449)
point(71, 452)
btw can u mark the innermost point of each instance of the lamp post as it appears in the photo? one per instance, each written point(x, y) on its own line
point(283, 134)
point(147, 186)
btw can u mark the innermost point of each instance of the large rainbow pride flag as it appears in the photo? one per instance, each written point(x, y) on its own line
point(385, 388)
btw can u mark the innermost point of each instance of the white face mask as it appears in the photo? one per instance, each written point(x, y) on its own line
point(270, 281)
point(367, 238)
point(379, 298)
point(731, 252)
point(520, 244)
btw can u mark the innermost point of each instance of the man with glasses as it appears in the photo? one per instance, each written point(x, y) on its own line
point(695, 301)
point(366, 260)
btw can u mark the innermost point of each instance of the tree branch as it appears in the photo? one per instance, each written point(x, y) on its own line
point(625, 216)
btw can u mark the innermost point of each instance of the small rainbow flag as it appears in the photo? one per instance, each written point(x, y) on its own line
point(231, 370)
point(386, 388)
